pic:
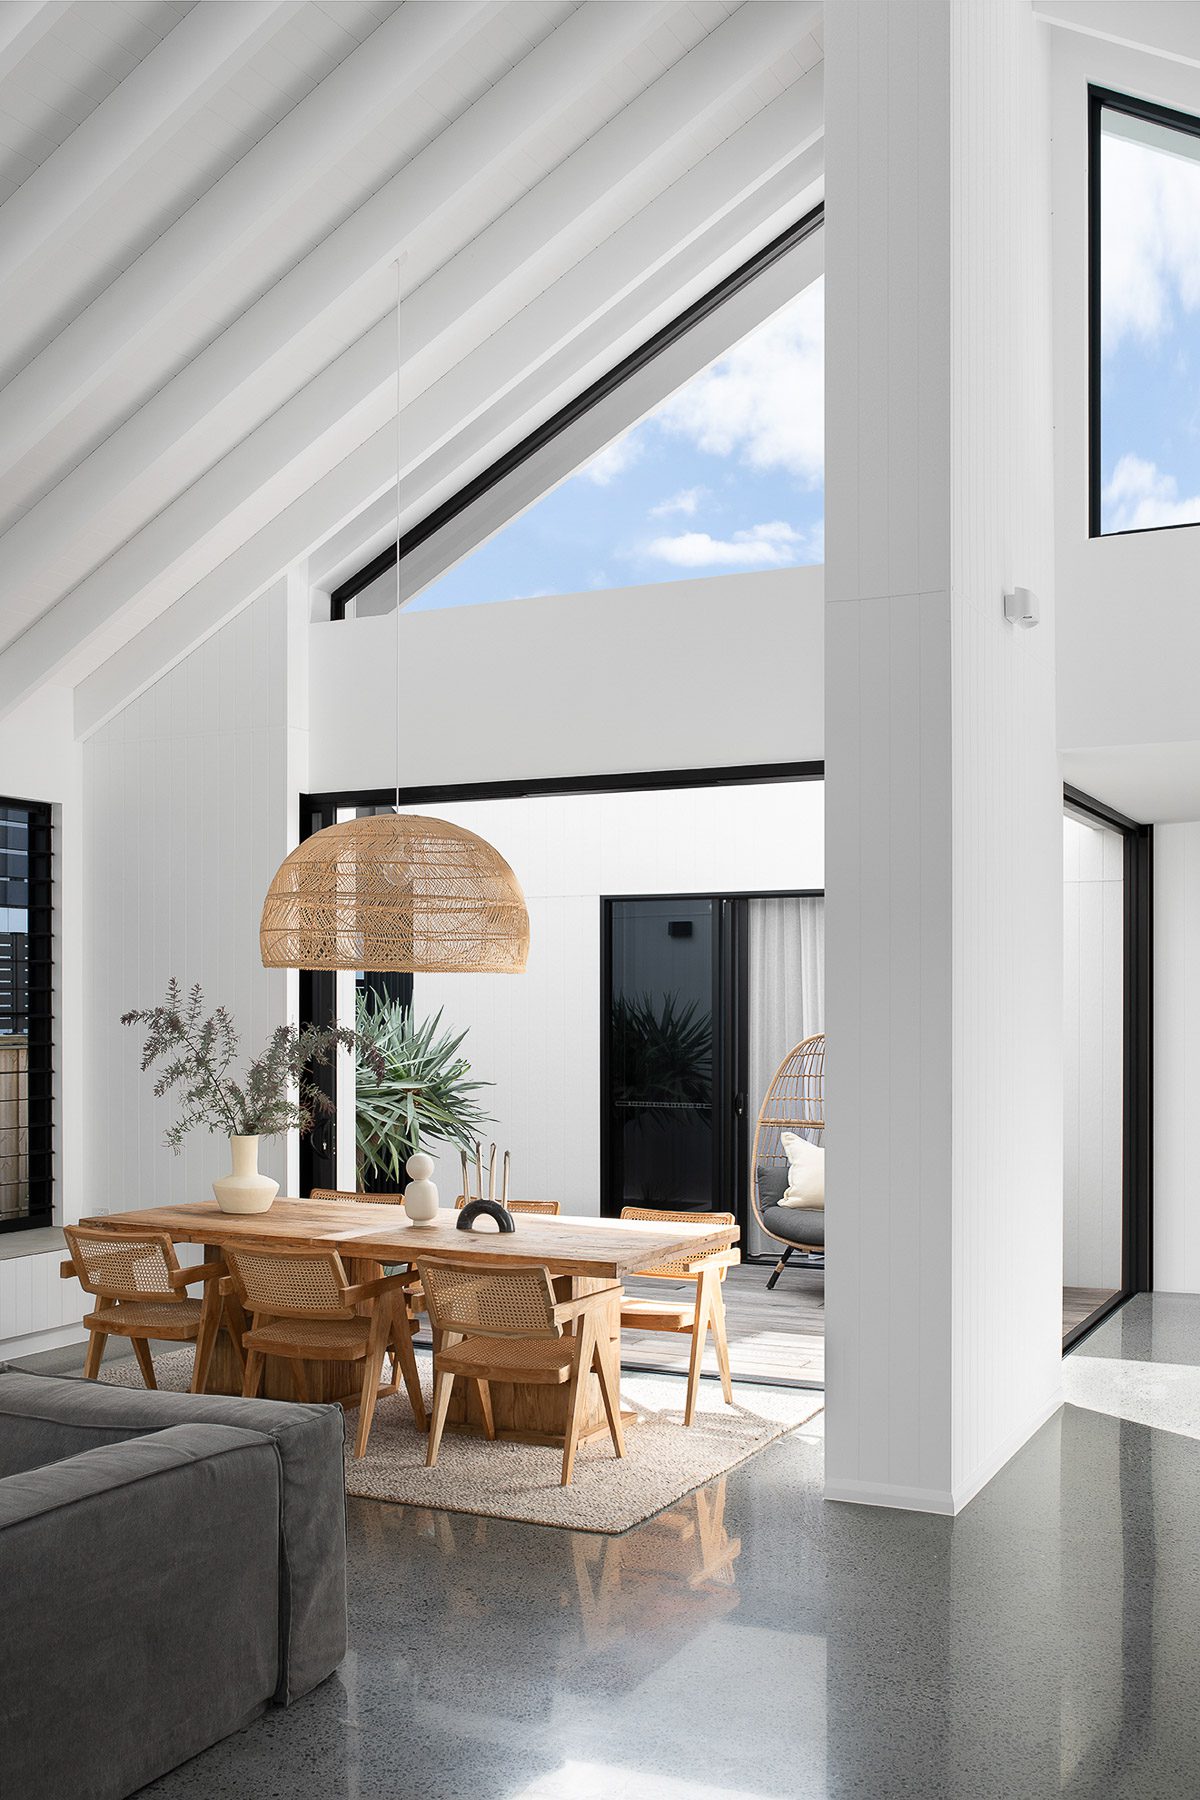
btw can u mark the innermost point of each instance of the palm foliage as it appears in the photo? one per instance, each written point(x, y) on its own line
point(417, 1091)
point(661, 1052)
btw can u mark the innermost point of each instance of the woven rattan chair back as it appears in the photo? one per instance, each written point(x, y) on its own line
point(117, 1266)
point(680, 1265)
point(349, 1194)
point(290, 1284)
point(489, 1302)
point(548, 1208)
point(795, 1101)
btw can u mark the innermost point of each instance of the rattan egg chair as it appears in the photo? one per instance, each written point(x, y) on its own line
point(795, 1101)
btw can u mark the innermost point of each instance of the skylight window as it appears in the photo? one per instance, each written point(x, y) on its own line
point(1145, 317)
point(725, 476)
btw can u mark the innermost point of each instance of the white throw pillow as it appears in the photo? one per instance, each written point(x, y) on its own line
point(806, 1171)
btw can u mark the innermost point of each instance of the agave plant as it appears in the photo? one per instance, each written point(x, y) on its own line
point(662, 1054)
point(415, 1091)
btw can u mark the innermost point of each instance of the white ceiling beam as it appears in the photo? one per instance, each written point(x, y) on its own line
point(587, 186)
point(1161, 27)
point(208, 46)
point(723, 207)
point(315, 429)
point(142, 459)
point(352, 100)
point(170, 636)
point(23, 24)
point(362, 488)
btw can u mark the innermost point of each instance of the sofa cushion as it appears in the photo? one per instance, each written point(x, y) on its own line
point(46, 1417)
point(141, 1595)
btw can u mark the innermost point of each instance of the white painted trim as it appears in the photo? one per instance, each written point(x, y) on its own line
point(11, 1349)
point(941, 1500)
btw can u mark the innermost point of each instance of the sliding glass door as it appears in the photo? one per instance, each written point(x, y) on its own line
point(702, 996)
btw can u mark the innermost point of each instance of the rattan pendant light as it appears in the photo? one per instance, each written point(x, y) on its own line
point(395, 892)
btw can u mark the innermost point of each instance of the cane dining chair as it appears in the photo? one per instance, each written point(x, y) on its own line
point(698, 1313)
point(140, 1292)
point(303, 1307)
point(548, 1208)
point(506, 1325)
point(795, 1101)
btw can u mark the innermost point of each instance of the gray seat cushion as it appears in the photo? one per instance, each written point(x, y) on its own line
point(141, 1602)
point(44, 1418)
point(796, 1224)
point(772, 1183)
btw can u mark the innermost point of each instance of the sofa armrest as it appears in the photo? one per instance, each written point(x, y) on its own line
point(141, 1595)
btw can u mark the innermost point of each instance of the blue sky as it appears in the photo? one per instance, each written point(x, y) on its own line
point(726, 475)
point(1150, 319)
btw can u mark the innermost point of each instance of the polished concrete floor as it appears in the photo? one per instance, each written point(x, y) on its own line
point(758, 1643)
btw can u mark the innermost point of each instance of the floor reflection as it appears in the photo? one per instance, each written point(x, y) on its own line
point(755, 1643)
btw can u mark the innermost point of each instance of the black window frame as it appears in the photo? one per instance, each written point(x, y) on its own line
point(1101, 99)
point(567, 415)
point(40, 1016)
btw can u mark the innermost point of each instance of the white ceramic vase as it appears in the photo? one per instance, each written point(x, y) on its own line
point(421, 1195)
point(244, 1190)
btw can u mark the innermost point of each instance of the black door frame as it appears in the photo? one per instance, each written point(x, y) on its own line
point(1137, 1117)
point(318, 1150)
point(731, 1040)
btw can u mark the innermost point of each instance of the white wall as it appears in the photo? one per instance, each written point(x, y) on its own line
point(1093, 1050)
point(189, 809)
point(944, 839)
point(1176, 1058)
point(684, 674)
point(1128, 623)
point(537, 1035)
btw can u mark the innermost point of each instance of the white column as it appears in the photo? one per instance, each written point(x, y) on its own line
point(944, 841)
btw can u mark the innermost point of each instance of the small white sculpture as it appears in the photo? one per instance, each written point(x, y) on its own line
point(421, 1195)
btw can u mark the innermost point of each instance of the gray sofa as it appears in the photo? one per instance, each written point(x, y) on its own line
point(170, 1564)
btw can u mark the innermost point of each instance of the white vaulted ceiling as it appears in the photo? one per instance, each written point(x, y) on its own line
point(202, 204)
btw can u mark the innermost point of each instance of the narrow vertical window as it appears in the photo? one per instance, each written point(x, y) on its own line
point(26, 1016)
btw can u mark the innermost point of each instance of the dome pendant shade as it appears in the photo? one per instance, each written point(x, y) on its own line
point(396, 892)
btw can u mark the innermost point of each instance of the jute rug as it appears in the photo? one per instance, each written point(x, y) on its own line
point(663, 1459)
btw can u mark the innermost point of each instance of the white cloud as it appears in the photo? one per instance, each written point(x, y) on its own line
point(614, 459)
point(770, 546)
point(685, 502)
point(1149, 240)
point(765, 401)
point(1140, 495)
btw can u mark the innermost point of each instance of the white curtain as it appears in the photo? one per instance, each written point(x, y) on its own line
point(786, 999)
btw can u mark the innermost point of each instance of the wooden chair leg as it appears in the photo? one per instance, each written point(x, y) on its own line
point(406, 1357)
point(381, 1323)
point(443, 1387)
point(585, 1332)
point(721, 1340)
point(95, 1354)
point(485, 1407)
point(236, 1323)
point(608, 1367)
point(253, 1375)
point(206, 1336)
point(141, 1350)
point(699, 1338)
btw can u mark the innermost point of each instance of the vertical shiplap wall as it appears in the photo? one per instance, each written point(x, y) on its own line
point(1176, 1058)
point(943, 845)
point(188, 814)
point(1093, 1052)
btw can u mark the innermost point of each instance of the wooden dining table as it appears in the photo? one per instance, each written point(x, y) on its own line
point(580, 1255)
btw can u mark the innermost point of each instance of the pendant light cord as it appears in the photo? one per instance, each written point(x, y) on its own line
point(396, 708)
